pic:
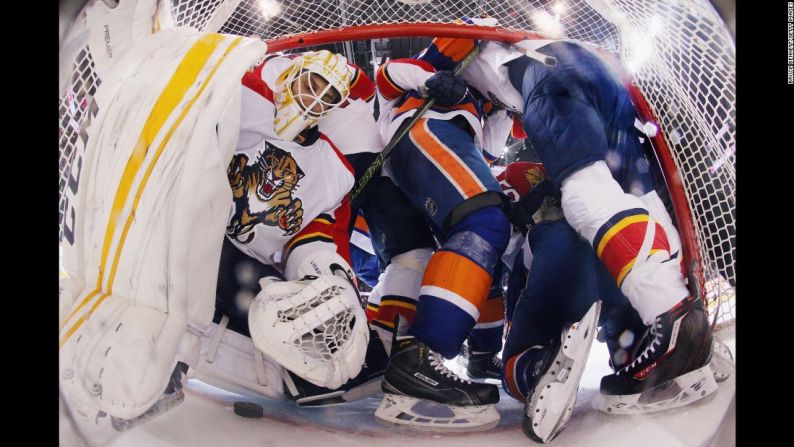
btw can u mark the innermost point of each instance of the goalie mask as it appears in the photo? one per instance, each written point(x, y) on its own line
point(316, 83)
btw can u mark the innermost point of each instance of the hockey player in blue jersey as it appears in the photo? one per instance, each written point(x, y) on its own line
point(580, 119)
point(553, 320)
point(441, 168)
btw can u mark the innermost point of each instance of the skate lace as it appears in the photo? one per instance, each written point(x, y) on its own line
point(437, 362)
point(650, 349)
point(497, 362)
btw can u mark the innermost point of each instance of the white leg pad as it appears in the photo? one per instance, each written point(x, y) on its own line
point(402, 277)
point(590, 196)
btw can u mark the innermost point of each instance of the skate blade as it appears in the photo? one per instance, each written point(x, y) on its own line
point(164, 404)
point(721, 361)
point(683, 390)
point(366, 389)
point(425, 415)
point(554, 398)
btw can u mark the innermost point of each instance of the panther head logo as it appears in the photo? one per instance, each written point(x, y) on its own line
point(281, 173)
point(263, 193)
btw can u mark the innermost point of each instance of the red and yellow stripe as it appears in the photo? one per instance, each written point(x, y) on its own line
point(361, 86)
point(321, 228)
point(393, 306)
point(620, 245)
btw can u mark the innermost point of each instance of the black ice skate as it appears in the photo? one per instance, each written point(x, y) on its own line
point(671, 369)
point(481, 365)
point(559, 369)
point(421, 393)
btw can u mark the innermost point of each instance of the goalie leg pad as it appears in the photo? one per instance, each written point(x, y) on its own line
point(314, 327)
point(172, 397)
point(682, 390)
point(120, 359)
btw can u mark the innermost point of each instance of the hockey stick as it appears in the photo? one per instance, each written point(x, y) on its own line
point(381, 158)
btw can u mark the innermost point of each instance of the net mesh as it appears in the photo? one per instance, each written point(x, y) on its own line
point(679, 52)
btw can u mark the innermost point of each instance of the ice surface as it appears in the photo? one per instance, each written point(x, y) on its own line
point(206, 418)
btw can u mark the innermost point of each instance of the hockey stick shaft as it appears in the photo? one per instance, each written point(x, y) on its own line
point(381, 158)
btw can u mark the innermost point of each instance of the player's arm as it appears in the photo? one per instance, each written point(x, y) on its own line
point(322, 247)
point(398, 76)
point(361, 86)
point(444, 53)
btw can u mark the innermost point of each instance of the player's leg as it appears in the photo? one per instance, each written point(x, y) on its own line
point(552, 329)
point(445, 176)
point(581, 123)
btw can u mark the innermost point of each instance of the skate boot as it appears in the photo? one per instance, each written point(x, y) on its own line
point(421, 393)
point(481, 365)
point(558, 371)
point(484, 365)
point(671, 369)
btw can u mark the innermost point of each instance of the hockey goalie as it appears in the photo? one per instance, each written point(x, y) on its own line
point(186, 168)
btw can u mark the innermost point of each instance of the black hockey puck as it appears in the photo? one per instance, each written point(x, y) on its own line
point(248, 410)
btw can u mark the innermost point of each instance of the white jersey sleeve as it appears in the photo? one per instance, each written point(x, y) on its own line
point(497, 128)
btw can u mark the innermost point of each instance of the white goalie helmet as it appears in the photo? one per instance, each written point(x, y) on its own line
point(314, 327)
point(316, 83)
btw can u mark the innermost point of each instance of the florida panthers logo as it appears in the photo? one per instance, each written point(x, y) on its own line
point(534, 175)
point(263, 193)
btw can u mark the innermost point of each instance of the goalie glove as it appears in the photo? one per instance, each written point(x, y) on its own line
point(446, 88)
point(314, 326)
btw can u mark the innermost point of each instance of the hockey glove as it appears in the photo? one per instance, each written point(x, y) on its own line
point(446, 88)
point(522, 211)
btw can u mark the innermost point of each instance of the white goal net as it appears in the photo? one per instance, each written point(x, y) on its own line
point(679, 53)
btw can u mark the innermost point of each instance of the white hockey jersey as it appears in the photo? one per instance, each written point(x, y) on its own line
point(491, 125)
point(286, 194)
point(488, 74)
